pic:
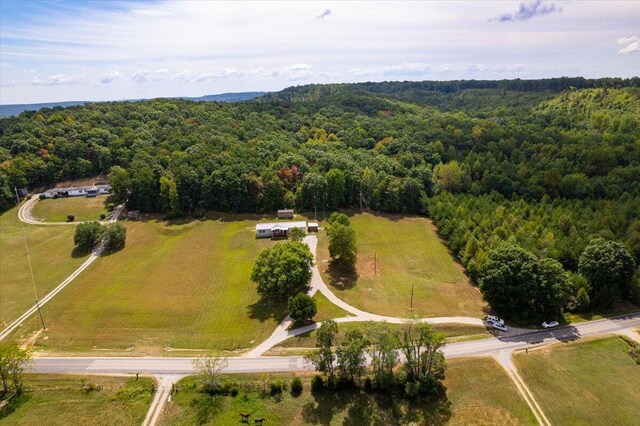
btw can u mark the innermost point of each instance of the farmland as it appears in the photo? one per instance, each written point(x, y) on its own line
point(174, 286)
point(52, 257)
point(83, 208)
point(394, 254)
point(593, 382)
point(65, 400)
point(479, 392)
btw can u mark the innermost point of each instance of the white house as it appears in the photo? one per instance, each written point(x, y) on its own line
point(279, 229)
point(77, 191)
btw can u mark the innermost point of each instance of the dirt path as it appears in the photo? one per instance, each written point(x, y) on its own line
point(505, 360)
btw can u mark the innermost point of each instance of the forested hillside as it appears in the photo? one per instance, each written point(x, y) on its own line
point(545, 164)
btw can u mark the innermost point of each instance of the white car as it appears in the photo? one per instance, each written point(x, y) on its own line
point(499, 326)
point(491, 319)
point(550, 324)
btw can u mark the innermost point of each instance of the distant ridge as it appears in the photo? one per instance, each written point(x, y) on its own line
point(15, 109)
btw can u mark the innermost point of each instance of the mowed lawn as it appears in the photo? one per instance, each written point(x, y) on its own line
point(51, 250)
point(57, 210)
point(407, 251)
point(594, 382)
point(181, 286)
point(479, 393)
point(52, 399)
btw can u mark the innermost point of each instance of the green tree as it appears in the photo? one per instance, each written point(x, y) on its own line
point(350, 357)
point(13, 361)
point(120, 182)
point(282, 270)
point(424, 364)
point(337, 217)
point(608, 267)
point(382, 349)
point(274, 190)
point(115, 237)
point(335, 188)
point(342, 246)
point(302, 307)
point(169, 196)
point(296, 234)
point(313, 192)
point(87, 235)
point(324, 357)
point(448, 176)
point(209, 371)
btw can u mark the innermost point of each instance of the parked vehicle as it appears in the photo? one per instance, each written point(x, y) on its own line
point(491, 319)
point(499, 326)
point(550, 324)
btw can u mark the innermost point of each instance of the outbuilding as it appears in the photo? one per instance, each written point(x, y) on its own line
point(286, 214)
point(312, 227)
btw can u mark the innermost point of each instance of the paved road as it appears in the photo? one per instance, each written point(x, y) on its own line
point(161, 366)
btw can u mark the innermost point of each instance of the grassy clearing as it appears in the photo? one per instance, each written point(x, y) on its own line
point(326, 309)
point(407, 252)
point(593, 382)
point(51, 254)
point(479, 393)
point(173, 286)
point(66, 400)
point(83, 208)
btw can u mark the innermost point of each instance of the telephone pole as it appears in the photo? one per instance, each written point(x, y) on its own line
point(33, 280)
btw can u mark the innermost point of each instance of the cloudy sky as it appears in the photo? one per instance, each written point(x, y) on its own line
point(82, 50)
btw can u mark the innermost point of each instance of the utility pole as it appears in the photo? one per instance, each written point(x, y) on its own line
point(411, 308)
point(33, 280)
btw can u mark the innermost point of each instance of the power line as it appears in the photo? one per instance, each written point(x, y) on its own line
point(33, 279)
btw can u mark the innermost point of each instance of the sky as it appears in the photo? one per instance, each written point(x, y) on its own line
point(63, 50)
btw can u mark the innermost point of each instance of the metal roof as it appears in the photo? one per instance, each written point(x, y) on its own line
point(281, 225)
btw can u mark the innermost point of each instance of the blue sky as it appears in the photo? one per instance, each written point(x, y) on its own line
point(83, 50)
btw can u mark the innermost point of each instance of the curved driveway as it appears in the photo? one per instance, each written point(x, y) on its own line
point(24, 214)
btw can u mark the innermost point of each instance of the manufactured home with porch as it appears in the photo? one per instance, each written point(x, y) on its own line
point(278, 229)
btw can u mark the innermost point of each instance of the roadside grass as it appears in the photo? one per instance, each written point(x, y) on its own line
point(478, 390)
point(326, 309)
point(624, 307)
point(83, 208)
point(593, 382)
point(407, 251)
point(53, 399)
point(174, 286)
point(51, 255)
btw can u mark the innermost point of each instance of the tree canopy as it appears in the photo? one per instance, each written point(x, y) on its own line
point(282, 270)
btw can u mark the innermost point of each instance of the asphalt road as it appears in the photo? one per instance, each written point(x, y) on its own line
point(180, 366)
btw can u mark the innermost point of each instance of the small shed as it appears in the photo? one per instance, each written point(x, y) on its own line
point(312, 227)
point(285, 214)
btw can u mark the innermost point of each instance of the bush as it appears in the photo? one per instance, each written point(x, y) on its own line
point(275, 388)
point(115, 236)
point(70, 218)
point(87, 235)
point(296, 386)
point(103, 216)
point(317, 384)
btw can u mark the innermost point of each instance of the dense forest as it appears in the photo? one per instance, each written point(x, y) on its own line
point(543, 164)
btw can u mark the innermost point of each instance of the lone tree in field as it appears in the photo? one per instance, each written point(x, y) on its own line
point(342, 246)
point(115, 236)
point(87, 235)
point(209, 370)
point(608, 267)
point(302, 307)
point(12, 365)
point(283, 270)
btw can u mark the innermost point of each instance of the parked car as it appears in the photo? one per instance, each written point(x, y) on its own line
point(550, 324)
point(493, 319)
point(499, 326)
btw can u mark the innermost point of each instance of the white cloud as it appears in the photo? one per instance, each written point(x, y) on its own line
point(183, 76)
point(147, 76)
point(158, 13)
point(58, 80)
point(633, 44)
point(407, 69)
point(110, 76)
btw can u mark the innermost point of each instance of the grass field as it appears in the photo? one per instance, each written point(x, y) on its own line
point(594, 382)
point(173, 286)
point(67, 400)
point(407, 252)
point(56, 210)
point(326, 309)
point(479, 393)
point(51, 254)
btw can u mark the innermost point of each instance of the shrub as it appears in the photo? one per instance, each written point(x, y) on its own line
point(302, 307)
point(296, 386)
point(115, 236)
point(103, 216)
point(317, 384)
point(70, 218)
point(87, 235)
point(275, 388)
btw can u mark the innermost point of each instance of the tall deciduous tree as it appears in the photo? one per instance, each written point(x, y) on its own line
point(609, 268)
point(12, 364)
point(350, 356)
point(342, 246)
point(382, 349)
point(335, 188)
point(324, 357)
point(283, 270)
point(448, 176)
point(87, 235)
point(120, 182)
point(424, 363)
point(301, 307)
